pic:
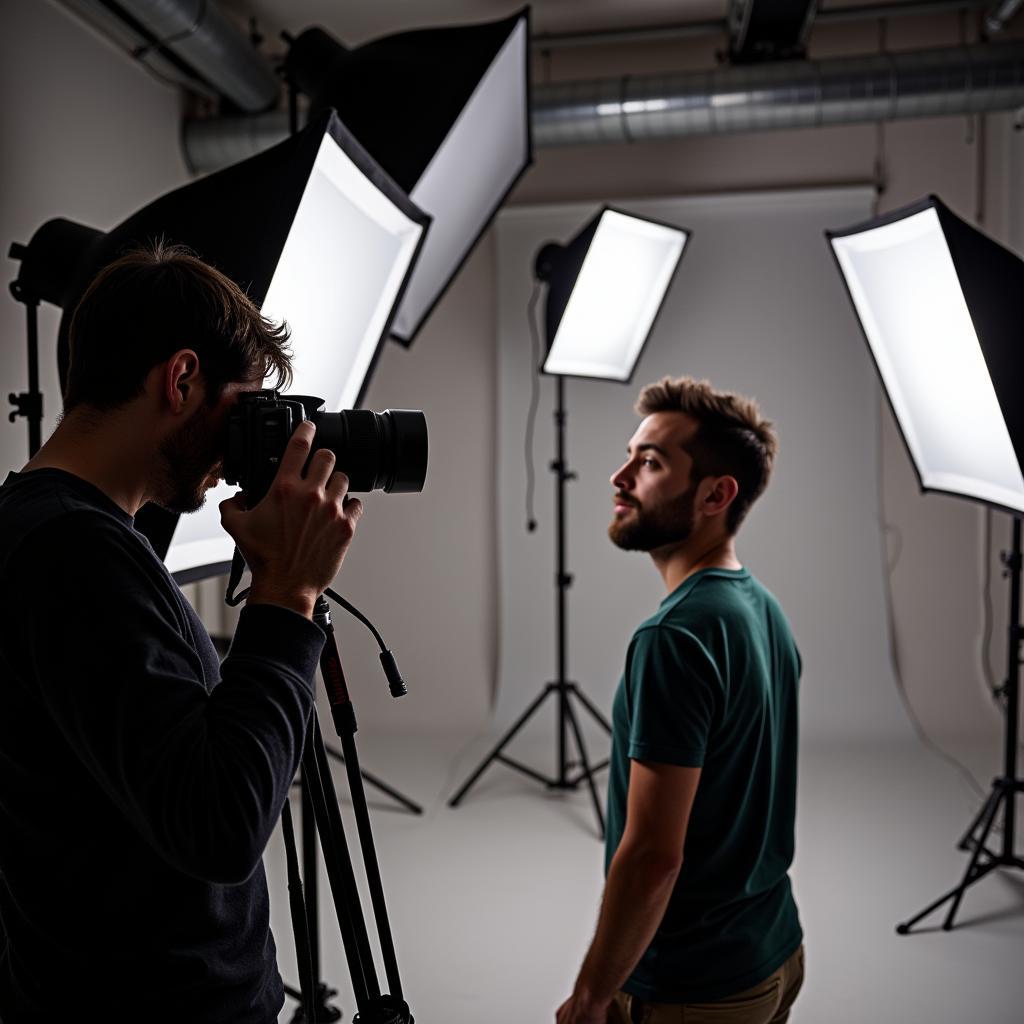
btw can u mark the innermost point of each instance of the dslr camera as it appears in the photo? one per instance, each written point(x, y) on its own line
point(376, 451)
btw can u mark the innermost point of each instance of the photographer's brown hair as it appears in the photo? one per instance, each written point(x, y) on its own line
point(153, 301)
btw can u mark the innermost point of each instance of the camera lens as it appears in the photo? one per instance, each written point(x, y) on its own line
point(377, 451)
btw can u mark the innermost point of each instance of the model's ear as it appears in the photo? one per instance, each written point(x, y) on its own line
point(721, 495)
point(180, 383)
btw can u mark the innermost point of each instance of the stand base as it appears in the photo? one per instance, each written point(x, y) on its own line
point(983, 860)
point(322, 1012)
point(566, 693)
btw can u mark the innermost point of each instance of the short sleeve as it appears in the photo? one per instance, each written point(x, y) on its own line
point(673, 695)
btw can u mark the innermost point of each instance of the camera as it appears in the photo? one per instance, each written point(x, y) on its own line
point(377, 451)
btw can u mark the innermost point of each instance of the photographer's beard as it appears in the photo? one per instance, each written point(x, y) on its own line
point(643, 529)
point(192, 461)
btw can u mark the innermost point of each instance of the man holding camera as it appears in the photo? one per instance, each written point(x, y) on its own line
point(698, 921)
point(140, 779)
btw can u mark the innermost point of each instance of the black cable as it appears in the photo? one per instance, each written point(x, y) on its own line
point(387, 660)
point(987, 614)
point(531, 416)
point(894, 654)
point(356, 613)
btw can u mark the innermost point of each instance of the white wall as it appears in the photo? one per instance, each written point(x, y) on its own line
point(85, 134)
point(756, 306)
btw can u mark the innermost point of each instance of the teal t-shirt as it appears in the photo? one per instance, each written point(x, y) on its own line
point(711, 681)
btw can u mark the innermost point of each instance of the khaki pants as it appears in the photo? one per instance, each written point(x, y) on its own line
point(766, 1003)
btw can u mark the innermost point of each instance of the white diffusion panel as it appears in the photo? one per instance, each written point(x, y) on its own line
point(484, 153)
point(620, 287)
point(336, 283)
point(338, 277)
point(908, 297)
point(622, 284)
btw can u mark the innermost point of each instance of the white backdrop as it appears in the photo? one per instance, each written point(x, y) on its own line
point(757, 306)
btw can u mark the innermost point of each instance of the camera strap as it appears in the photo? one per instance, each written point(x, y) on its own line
point(231, 599)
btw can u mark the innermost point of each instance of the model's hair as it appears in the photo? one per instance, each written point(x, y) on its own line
point(732, 439)
point(151, 303)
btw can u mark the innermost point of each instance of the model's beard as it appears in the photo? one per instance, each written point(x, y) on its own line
point(190, 456)
point(641, 530)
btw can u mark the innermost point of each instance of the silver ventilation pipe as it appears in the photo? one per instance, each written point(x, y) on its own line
point(197, 33)
point(794, 94)
point(791, 94)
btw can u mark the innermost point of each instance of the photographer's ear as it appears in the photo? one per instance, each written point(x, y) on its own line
point(181, 385)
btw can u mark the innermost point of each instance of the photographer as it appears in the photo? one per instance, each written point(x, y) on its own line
point(140, 780)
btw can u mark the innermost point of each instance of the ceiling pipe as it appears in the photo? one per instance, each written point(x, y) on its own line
point(793, 94)
point(195, 33)
point(782, 95)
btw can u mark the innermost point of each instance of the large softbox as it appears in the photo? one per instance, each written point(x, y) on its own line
point(446, 112)
point(317, 234)
point(939, 304)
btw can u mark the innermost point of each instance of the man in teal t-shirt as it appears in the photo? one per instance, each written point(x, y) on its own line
point(698, 921)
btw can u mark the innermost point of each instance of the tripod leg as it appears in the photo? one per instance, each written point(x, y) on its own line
point(956, 893)
point(968, 837)
point(502, 743)
point(371, 866)
point(338, 862)
point(311, 873)
point(300, 918)
point(973, 872)
point(387, 790)
point(578, 734)
point(589, 705)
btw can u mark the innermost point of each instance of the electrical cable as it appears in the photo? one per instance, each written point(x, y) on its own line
point(894, 655)
point(387, 659)
point(531, 416)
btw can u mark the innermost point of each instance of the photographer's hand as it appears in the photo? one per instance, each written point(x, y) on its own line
point(295, 539)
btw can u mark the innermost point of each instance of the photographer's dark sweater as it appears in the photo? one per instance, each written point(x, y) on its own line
point(139, 779)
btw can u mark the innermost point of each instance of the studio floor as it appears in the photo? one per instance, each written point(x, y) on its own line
point(492, 904)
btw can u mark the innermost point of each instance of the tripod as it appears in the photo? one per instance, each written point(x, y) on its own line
point(1004, 788)
point(564, 690)
point(319, 798)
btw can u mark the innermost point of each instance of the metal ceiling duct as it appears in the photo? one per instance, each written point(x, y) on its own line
point(197, 34)
point(793, 94)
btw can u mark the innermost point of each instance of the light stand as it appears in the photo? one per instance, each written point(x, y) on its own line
point(29, 403)
point(939, 305)
point(605, 290)
point(45, 274)
point(565, 690)
point(1003, 794)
